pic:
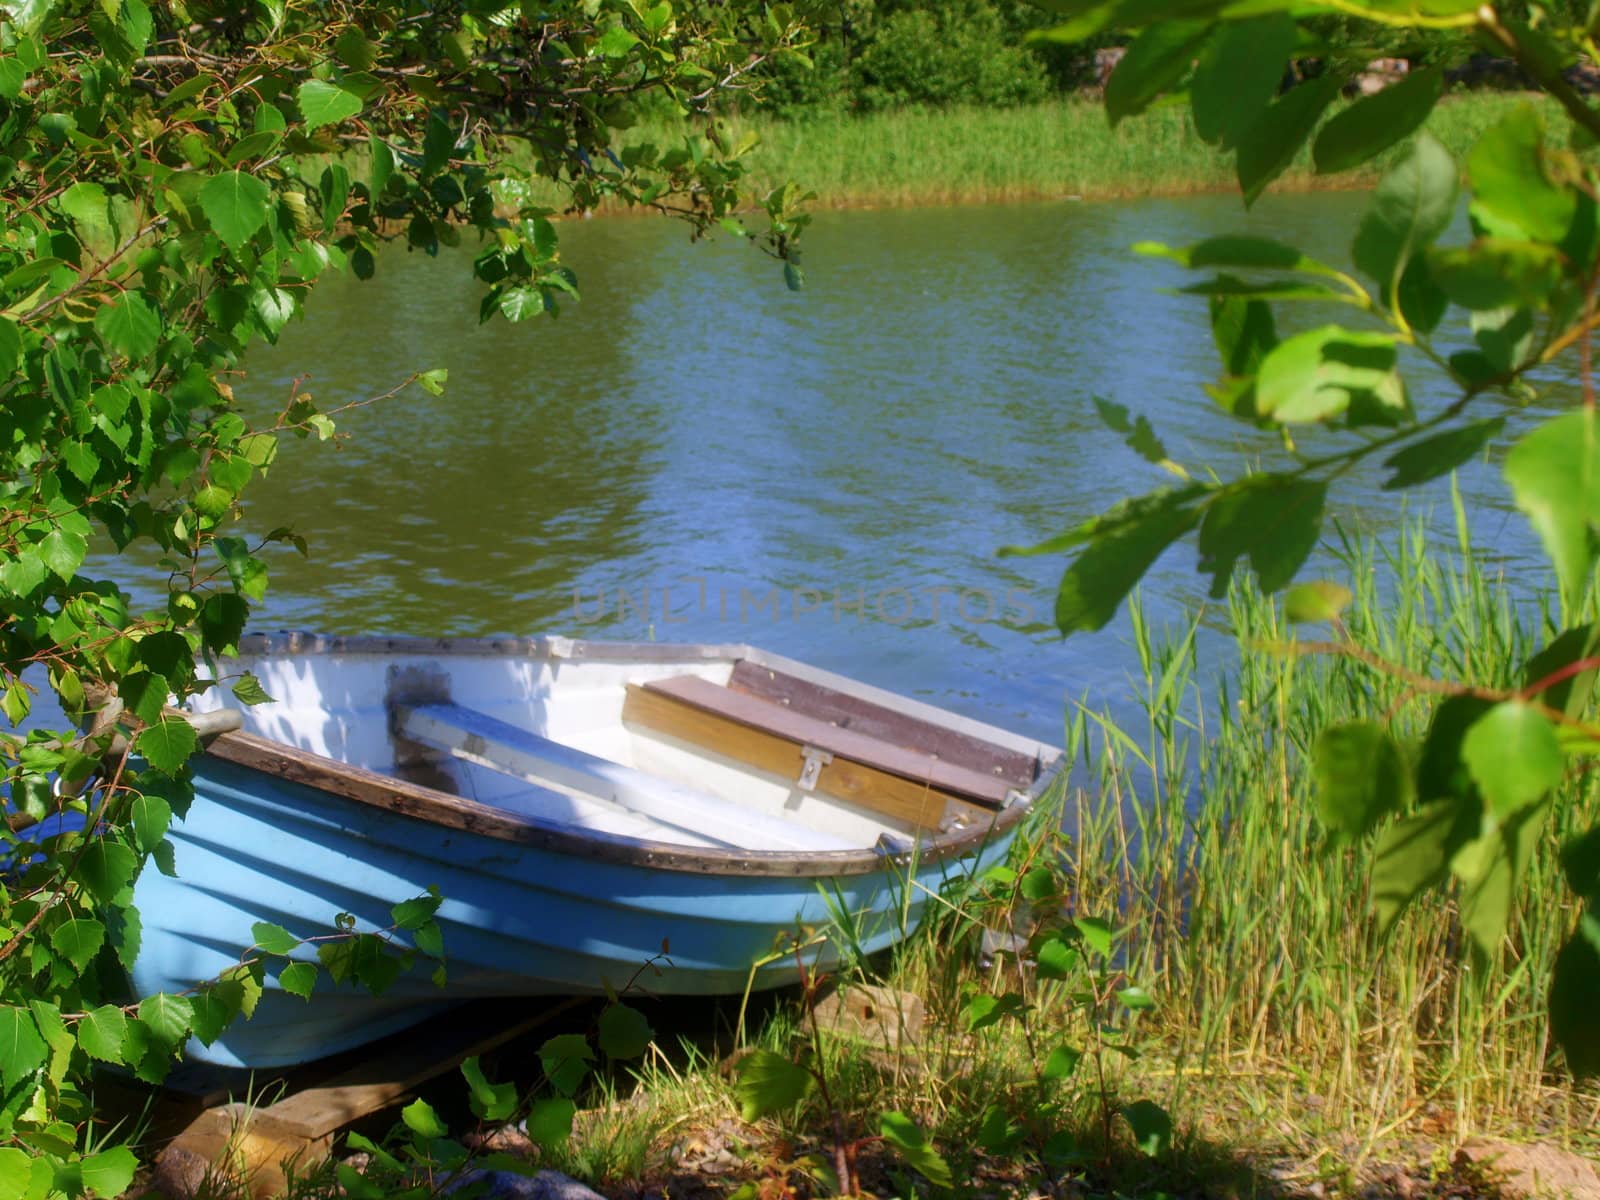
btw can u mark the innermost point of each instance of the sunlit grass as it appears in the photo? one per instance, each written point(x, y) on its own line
point(1064, 148)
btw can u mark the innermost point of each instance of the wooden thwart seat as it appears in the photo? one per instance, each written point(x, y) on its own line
point(909, 785)
point(1013, 767)
point(479, 738)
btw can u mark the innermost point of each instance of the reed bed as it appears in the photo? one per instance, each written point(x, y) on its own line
point(1055, 150)
point(1198, 829)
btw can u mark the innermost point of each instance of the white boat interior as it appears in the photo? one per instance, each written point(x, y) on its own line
point(691, 746)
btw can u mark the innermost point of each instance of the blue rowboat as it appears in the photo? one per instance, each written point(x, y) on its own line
point(584, 809)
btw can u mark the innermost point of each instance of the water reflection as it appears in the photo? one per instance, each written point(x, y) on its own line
point(692, 438)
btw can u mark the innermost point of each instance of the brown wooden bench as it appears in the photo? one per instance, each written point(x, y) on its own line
point(1016, 768)
point(909, 785)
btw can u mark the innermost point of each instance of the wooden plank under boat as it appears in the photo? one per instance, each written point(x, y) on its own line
point(578, 804)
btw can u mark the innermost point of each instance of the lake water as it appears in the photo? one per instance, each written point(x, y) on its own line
point(694, 453)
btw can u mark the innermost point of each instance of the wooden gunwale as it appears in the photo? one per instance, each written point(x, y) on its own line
point(445, 811)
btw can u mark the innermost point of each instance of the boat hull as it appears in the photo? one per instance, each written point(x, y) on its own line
point(517, 919)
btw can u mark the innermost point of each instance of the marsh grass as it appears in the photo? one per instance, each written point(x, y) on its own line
point(1055, 150)
point(1256, 931)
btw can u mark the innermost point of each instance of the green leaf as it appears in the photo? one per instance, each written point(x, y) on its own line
point(549, 1122)
point(1574, 987)
point(1244, 333)
point(1039, 884)
point(78, 940)
point(214, 1009)
point(10, 348)
point(1135, 997)
point(489, 1101)
point(167, 744)
point(1275, 137)
point(906, 1136)
point(151, 815)
point(423, 1121)
point(235, 203)
point(1440, 453)
point(769, 1083)
point(1093, 587)
point(1580, 863)
point(323, 103)
point(1512, 196)
point(110, 1172)
point(22, 1049)
point(1554, 473)
point(1323, 372)
point(1413, 854)
point(623, 1032)
point(520, 303)
point(1275, 520)
point(1053, 958)
point(88, 205)
point(1496, 273)
point(998, 1133)
point(168, 1017)
point(413, 914)
point(1155, 61)
point(565, 1059)
point(433, 381)
point(1096, 934)
point(1151, 1125)
point(1374, 123)
point(1570, 692)
point(129, 325)
point(1062, 1063)
point(1237, 251)
point(101, 1033)
point(273, 307)
point(380, 160)
point(1360, 775)
point(105, 868)
point(83, 462)
point(1413, 204)
point(354, 50)
point(983, 1010)
point(62, 551)
point(1487, 869)
point(1315, 601)
point(24, 1176)
point(273, 939)
point(615, 42)
point(298, 979)
point(1514, 756)
point(13, 75)
point(248, 690)
point(1238, 75)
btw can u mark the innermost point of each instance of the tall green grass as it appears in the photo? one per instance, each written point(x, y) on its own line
point(1199, 829)
point(1063, 148)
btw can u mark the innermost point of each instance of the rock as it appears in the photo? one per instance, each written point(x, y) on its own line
point(881, 1015)
point(1379, 74)
point(1532, 1171)
point(543, 1185)
point(240, 1149)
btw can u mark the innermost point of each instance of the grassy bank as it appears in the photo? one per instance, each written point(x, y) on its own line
point(1050, 151)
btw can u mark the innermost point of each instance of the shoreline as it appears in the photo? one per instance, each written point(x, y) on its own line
point(1062, 150)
